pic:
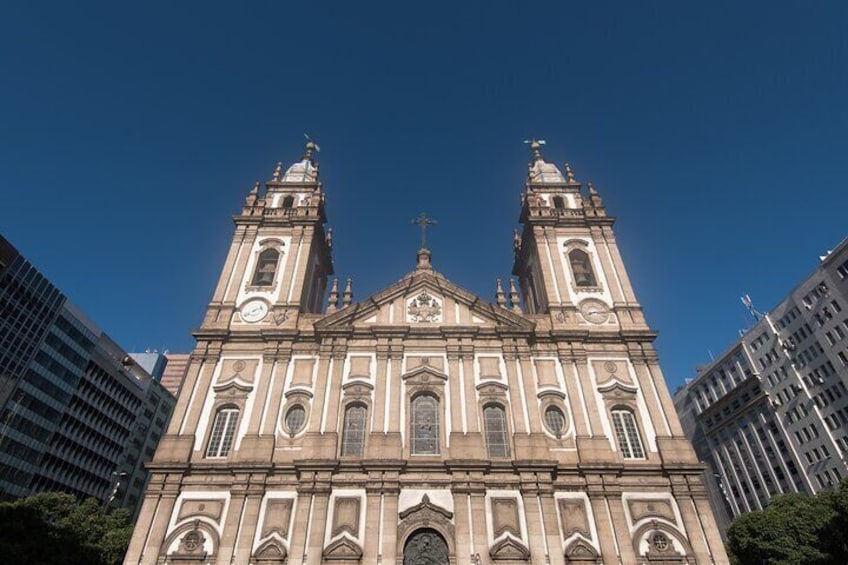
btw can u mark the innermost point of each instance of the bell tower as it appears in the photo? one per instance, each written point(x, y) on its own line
point(280, 257)
point(566, 257)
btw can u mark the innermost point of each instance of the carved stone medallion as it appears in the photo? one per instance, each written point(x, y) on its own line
point(424, 308)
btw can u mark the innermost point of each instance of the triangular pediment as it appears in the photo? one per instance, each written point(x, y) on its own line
point(423, 299)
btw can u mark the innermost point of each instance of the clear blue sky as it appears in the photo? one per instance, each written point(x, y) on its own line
point(715, 131)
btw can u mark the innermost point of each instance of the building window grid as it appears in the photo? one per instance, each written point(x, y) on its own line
point(629, 441)
point(223, 431)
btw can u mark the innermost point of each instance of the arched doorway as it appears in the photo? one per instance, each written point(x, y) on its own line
point(426, 547)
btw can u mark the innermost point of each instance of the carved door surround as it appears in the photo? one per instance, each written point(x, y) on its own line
point(421, 531)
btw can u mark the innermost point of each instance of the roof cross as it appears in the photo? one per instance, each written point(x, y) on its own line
point(424, 220)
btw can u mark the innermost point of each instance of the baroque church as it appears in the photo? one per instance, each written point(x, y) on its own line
point(424, 425)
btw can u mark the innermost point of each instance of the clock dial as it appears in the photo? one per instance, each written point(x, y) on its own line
point(254, 311)
point(595, 311)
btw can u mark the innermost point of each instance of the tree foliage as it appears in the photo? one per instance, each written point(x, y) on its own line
point(57, 528)
point(794, 529)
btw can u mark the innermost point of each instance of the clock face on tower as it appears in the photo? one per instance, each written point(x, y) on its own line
point(594, 311)
point(253, 311)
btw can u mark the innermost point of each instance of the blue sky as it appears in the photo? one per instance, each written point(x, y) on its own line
point(715, 131)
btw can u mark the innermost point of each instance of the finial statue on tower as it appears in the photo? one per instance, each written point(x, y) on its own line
point(536, 147)
point(310, 147)
point(569, 174)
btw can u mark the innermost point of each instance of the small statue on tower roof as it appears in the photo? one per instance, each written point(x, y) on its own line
point(569, 174)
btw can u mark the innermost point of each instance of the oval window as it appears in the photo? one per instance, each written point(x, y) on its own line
point(555, 420)
point(295, 418)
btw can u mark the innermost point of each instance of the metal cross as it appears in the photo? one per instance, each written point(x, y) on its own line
point(424, 220)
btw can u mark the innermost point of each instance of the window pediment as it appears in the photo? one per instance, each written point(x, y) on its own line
point(425, 375)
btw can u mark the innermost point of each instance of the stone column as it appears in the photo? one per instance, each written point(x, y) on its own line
point(389, 549)
point(278, 382)
point(515, 390)
point(371, 538)
point(259, 394)
point(380, 392)
point(300, 526)
point(536, 539)
point(478, 518)
point(463, 542)
point(238, 280)
point(622, 532)
point(545, 498)
point(691, 521)
point(321, 383)
point(253, 501)
point(320, 511)
point(232, 524)
point(608, 540)
point(334, 400)
point(523, 354)
point(471, 416)
point(193, 375)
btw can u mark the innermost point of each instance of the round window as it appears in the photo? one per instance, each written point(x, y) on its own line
point(660, 541)
point(555, 420)
point(295, 418)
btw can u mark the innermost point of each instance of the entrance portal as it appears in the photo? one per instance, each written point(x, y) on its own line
point(426, 547)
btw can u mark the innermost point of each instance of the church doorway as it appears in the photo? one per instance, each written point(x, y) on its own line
point(426, 547)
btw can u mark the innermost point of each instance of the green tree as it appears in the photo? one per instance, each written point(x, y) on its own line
point(57, 528)
point(794, 529)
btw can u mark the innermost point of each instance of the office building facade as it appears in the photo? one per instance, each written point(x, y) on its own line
point(77, 414)
point(770, 415)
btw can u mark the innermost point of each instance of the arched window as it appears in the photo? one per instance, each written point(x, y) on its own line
point(266, 268)
point(627, 433)
point(494, 422)
point(555, 420)
point(295, 418)
point(288, 202)
point(559, 203)
point(223, 431)
point(353, 432)
point(425, 424)
point(581, 267)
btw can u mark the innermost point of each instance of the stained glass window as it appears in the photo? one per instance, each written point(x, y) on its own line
point(353, 433)
point(494, 420)
point(425, 424)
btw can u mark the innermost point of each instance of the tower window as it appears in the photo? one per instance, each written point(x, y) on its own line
point(288, 202)
point(425, 425)
point(555, 420)
point(295, 418)
point(581, 268)
point(353, 433)
point(627, 433)
point(223, 431)
point(559, 203)
point(494, 421)
point(266, 268)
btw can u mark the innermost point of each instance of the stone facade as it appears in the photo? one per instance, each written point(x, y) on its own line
point(424, 424)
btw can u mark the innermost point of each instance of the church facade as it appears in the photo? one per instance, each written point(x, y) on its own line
point(424, 424)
